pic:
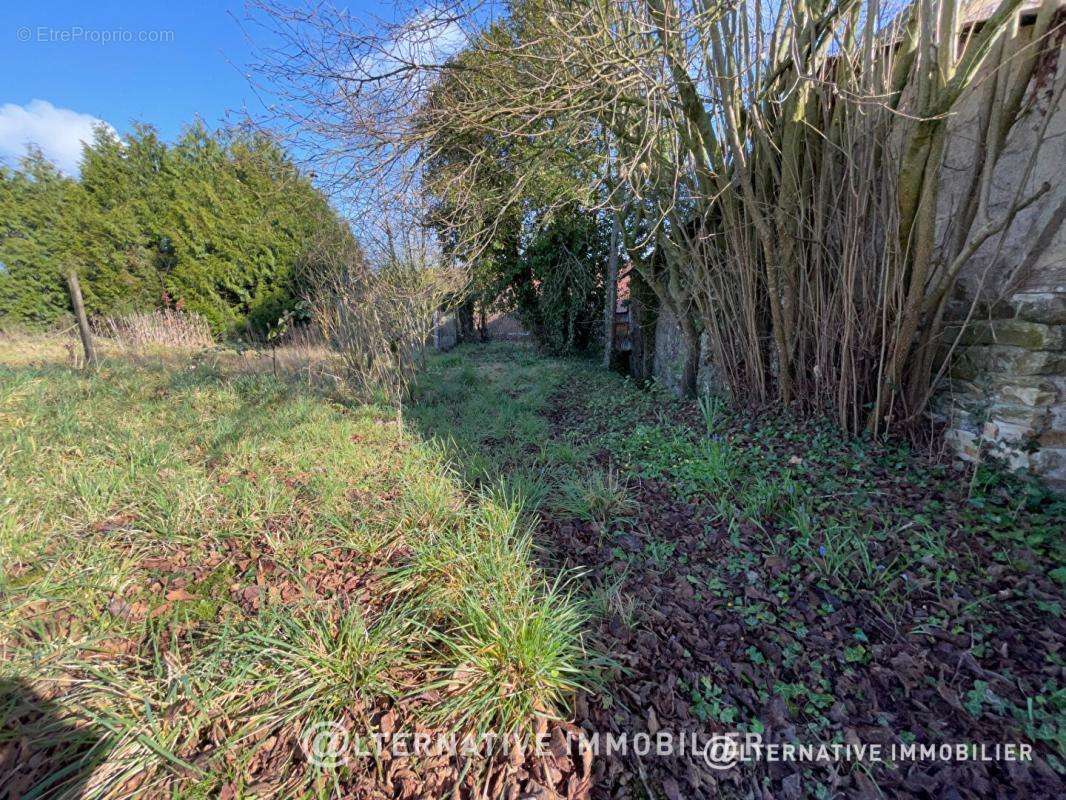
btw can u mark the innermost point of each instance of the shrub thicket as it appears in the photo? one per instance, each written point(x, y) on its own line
point(556, 281)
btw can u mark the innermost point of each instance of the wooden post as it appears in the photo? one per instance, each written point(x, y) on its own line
point(83, 322)
point(611, 296)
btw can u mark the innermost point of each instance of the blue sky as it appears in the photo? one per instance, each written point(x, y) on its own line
point(58, 75)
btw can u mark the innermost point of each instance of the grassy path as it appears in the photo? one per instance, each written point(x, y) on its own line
point(772, 578)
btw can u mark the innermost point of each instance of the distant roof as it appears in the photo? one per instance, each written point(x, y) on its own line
point(980, 10)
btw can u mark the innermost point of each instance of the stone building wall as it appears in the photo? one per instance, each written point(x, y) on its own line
point(1006, 393)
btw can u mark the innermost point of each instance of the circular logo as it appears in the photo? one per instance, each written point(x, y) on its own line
point(23, 34)
point(325, 744)
point(721, 752)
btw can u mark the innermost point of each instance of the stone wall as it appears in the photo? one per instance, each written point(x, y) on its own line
point(445, 334)
point(1006, 393)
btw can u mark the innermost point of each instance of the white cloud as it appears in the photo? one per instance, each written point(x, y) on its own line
point(59, 132)
point(426, 40)
point(418, 46)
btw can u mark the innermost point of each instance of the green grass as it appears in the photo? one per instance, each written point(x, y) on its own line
point(600, 496)
point(197, 564)
point(176, 547)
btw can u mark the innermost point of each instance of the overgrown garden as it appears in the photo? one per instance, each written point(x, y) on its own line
point(775, 170)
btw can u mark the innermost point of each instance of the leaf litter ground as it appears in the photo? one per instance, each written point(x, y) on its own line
point(760, 574)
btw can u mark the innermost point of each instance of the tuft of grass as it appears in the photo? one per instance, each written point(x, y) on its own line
point(713, 411)
point(528, 490)
point(512, 658)
point(487, 545)
point(766, 498)
point(609, 597)
point(600, 497)
point(321, 664)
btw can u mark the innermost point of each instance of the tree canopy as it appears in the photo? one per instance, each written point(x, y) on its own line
point(517, 205)
point(214, 223)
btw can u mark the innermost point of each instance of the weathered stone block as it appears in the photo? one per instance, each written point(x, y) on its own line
point(1057, 417)
point(1046, 307)
point(1013, 332)
point(1011, 433)
point(971, 447)
point(966, 443)
point(1050, 464)
point(1015, 459)
point(966, 420)
point(1027, 390)
point(973, 362)
point(1028, 417)
point(959, 419)
point(1052, 438)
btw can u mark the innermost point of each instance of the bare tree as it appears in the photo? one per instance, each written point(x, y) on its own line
point(378, 315)
point(776, 165)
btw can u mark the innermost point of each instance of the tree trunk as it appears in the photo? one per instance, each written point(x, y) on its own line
point(83, 322)
point(643, 314)
point(610, 299)
point(690, 342)
point(465, 324)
